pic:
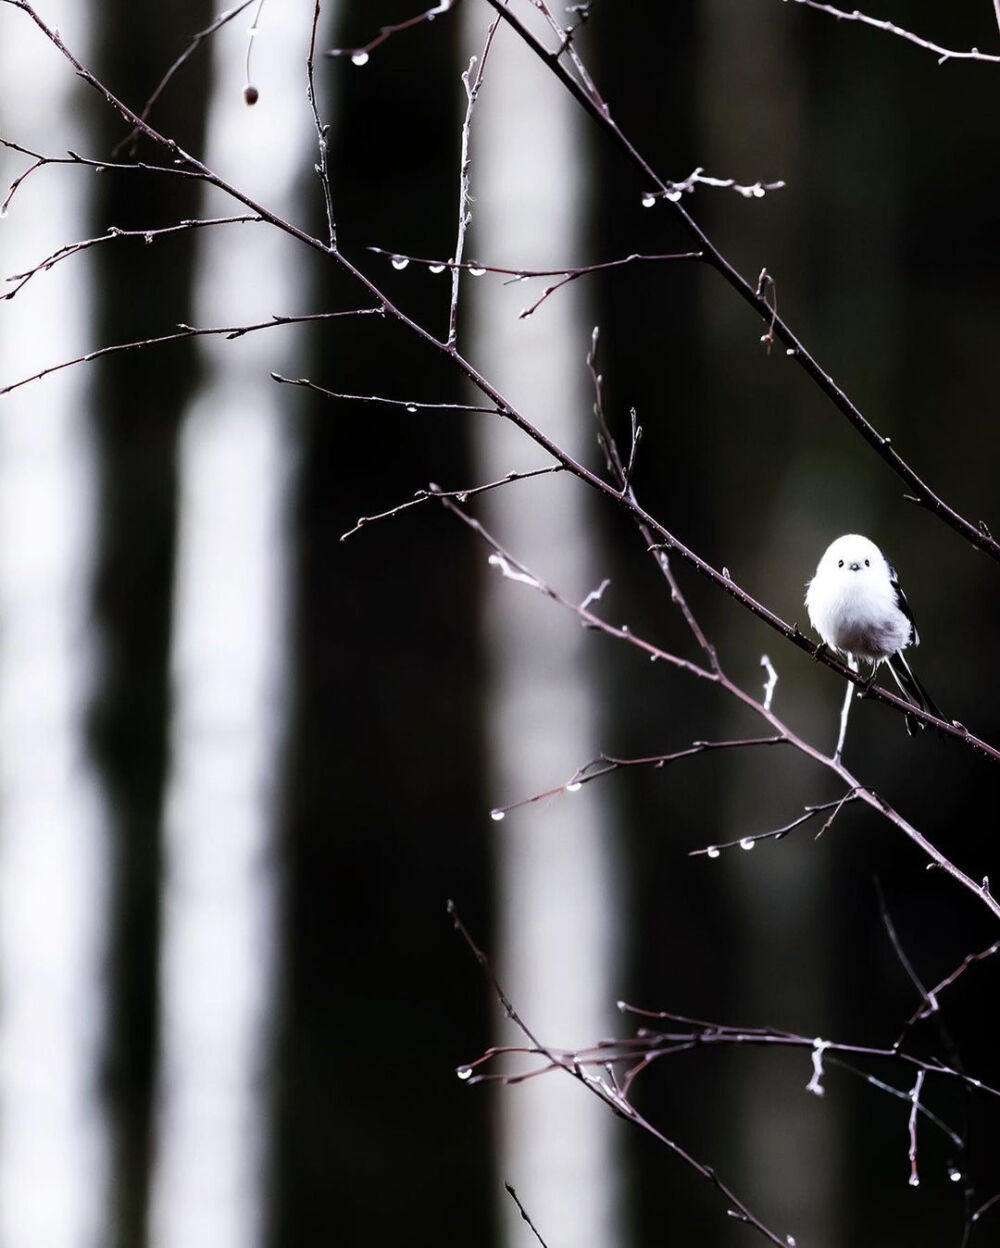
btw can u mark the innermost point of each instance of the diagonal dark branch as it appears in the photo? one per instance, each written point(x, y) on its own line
point(977, 534)
point(524, 1214)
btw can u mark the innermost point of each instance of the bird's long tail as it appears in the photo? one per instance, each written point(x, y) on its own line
point(912, 690)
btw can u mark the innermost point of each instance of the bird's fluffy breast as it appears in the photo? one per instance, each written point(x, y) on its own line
point(859, 618)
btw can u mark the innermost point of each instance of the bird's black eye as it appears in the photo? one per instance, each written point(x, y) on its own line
point(868, 563)
point(840, 563)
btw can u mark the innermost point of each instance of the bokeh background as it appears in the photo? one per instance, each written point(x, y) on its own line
point(244, 764)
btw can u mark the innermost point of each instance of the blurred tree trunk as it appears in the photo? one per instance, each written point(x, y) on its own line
point(53, 1148)
point(375, 1136)
point(556, 871)
point(229, 662)
point(139, 399)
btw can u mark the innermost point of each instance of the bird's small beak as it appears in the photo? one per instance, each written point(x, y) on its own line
point(855, 567)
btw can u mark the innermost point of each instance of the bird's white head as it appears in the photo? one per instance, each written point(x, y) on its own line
point(851, 557)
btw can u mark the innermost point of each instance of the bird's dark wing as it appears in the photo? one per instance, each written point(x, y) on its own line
point(912, 690)
point(903, 605)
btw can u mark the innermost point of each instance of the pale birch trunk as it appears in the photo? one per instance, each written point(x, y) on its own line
point(53, 1145)
point(558, 885)
point(229, 666)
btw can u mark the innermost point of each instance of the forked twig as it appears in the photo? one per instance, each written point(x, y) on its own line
point(604, 1090)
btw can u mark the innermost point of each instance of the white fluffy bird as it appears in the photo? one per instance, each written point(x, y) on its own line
point(856, 605)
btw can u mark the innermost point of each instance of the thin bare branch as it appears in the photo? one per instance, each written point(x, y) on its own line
point(524, 1214)
point(73, 158)
point(914, 1109)
point(472, 88)
point(771, 683)
point(778, 834)
point(698, 177)
point(410, 405)
point(648, 1044)
point(943, 54)
point(360, 54)
point(115, 232)
point(400, 260)
point(986, 1207)
point(606, 764)
point(250, 92)
point(622, 477)
point(322, 130)
point(184, 332)
point(38, 163)
point(567, 47)
point(928, 998)
point(435, 492)
point(508, 564)
point(931, 1003)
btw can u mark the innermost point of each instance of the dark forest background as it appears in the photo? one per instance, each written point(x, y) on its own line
point(885, 252)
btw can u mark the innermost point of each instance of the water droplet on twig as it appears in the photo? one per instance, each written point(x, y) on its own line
point(713, 851)
point(359, 58)
point(497, 815)
point(399, 262)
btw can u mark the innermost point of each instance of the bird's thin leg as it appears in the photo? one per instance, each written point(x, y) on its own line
point(845, 710)
point(863, 691)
